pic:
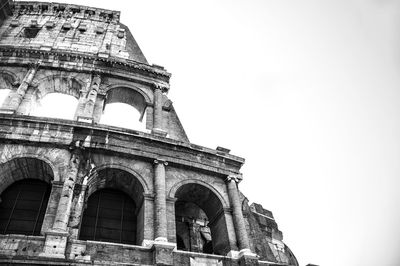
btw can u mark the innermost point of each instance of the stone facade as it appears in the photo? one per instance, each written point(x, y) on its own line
point(115, 196)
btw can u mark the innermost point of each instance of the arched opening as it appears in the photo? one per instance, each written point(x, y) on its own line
point(109, 217)
point(56, 105)
point(125, 107)
point(3, 95)
point(200, 221)
point(7, 82)
point(123, 115)
point(114, 210)
point(23, 206)
point(24, 168)
point(24, 193)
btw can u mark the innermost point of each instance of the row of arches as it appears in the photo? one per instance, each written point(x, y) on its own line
point(61, 97)
point(114, 207)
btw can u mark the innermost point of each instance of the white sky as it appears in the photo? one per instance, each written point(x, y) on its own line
point(308, 92)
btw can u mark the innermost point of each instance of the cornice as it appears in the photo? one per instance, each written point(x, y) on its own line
point(65, 10)
point(94, 61)
point(105, 139)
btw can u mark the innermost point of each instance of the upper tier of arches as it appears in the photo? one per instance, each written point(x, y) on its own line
point(70, 96)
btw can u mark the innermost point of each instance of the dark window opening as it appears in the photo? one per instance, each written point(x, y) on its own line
point(44, 8)
point(110, 216)
point(200, 220)
point(31, 32)
point(179, 243)
point(208, 248)
point(23, 206)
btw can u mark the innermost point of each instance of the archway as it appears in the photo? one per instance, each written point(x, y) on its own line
point(125, 107)
point(56, 105)
point(24, 168)
point(24, 192)
point(200, 220)
point(8, 82)
point(23, 206)
point(114, 210)
point(109, 217)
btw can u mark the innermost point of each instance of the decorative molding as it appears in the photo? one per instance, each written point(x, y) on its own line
point(161, 161)
point(237, 178)
point(70, 56)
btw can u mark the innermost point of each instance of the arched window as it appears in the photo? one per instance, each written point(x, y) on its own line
point(22, 207)
point(110, 216)
point(3, 95)
point(56, 105)
point(200, 221)
point(123, 115)
point(125, 107)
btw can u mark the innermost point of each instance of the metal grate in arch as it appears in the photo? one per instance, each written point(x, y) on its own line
point(23, 206)
point(110, 216)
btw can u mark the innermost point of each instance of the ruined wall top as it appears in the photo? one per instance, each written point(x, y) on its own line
point(70, 28)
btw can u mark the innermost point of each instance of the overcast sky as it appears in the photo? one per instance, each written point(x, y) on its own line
point(308, 92)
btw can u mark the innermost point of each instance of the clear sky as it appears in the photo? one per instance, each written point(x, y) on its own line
point(309, 93)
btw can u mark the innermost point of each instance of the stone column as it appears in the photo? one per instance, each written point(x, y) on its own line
point(157, 112)
point(56, 238)
point(14, 99)
point(238, 220)
point(246, 257)
point(160, 206)
point(162, 249)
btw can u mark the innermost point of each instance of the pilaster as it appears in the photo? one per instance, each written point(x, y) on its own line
point(88, 101)
point(57, 236)
point(77, 209)
point(15, 98)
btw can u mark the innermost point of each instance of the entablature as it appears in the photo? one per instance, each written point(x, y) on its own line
point(121, 142)
point(86, 63)
point(67, 10)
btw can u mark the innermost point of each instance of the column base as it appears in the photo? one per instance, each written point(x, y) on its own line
point(55, 244)
point(234, 254)
point(247, 258)
point(162, 253)
point(159, 132)
point(161, 239)
point(78, 252)
point(147, 243)
point(85, 119)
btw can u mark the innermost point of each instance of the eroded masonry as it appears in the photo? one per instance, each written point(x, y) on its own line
point(79, 191)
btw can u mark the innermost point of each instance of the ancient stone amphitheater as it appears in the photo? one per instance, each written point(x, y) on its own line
point(77, 191)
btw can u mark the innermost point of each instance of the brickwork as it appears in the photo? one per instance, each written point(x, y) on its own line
point(186, 208)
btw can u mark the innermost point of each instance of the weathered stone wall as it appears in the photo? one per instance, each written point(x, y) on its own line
point(70, 28)
point(77, 84)
point(265, 237)
point(86, 53)
point(21, 245)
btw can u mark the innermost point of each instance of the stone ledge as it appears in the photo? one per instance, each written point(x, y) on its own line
point(64, 132)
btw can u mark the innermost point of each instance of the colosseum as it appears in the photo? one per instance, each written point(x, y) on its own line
point(76, 190)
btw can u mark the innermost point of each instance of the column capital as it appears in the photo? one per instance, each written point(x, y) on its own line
point(160, 161)
point(157, 86)
point(36, 64)
point(171, 199)
point(148, 196)
point(236, 178)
